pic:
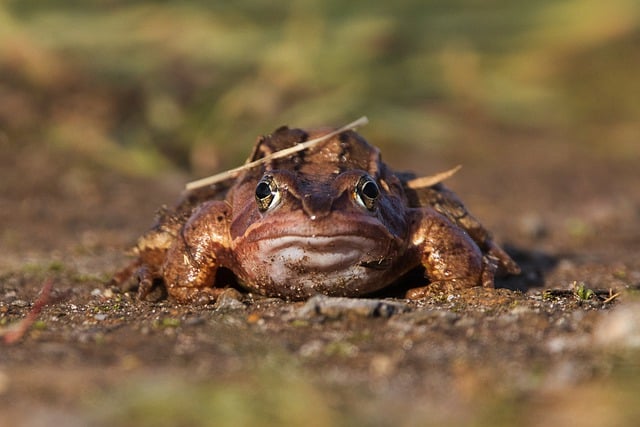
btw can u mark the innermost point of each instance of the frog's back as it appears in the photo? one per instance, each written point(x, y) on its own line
point(346, 151)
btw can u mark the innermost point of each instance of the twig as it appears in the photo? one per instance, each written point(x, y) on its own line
point(18, 330)
point(278, 154)
point(611, 298)
point(428, 181)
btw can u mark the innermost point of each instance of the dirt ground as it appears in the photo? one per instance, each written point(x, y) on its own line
point(539, 351)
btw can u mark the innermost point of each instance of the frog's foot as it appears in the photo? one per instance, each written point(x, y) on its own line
point(141, 278)
point(191, 263)
point(502, 260)
point(191, 279)
point(443, 287)
point(198, 296)
point(125, 279)
point(489, 267)
point(148, 287)
point(449, 286)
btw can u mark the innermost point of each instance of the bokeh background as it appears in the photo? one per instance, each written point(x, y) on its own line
point(142, 86)
point(107, 107)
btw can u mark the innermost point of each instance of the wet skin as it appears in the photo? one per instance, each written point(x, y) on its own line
point(333, 219)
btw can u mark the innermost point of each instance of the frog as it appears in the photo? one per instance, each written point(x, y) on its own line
point(332, 219)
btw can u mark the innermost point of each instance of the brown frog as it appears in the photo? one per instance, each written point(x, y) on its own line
point(332, 219)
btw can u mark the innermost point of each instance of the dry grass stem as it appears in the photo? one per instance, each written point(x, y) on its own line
point(14, 334)
point(427, 181)
point(611, 298)
point(232, 173)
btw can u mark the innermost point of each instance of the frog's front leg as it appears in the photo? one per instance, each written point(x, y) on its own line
point(201, 247)
point(451, 258)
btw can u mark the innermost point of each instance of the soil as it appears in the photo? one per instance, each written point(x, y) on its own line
point(559, 342)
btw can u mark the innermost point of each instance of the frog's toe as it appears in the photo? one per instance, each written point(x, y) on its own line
point(448, 286)
point(440, 288)
point(489, 267)
point(192, 295)
point(149, 288)
point(126, 278)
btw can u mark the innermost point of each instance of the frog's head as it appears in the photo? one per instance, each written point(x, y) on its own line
point(329, 220)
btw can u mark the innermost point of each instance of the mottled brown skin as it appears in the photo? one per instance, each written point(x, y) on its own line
point(333, 219)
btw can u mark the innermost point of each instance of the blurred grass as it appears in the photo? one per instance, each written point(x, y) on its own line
point(288, 395)
point(263, 399)
point(138, 85)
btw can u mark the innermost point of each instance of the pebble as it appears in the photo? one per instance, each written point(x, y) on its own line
point(229, 299)
point(20, 303)
point(336, 307)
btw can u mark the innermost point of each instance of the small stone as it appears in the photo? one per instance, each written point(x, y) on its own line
point(337, 307)
point(20, 303)
point(100, 317)
point(229, 299)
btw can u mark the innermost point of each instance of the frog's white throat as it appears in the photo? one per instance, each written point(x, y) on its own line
point(301, 266)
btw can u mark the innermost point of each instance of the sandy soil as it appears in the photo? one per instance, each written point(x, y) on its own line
point(540, 350)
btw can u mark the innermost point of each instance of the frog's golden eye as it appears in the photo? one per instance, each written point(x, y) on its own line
point(367, 192)
point(267, 194)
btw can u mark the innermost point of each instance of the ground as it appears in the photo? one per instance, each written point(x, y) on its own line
point(539, 350)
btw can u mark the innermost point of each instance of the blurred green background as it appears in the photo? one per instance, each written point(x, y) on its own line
point(144, 85)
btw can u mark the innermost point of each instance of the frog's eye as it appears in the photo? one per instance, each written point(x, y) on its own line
point(267, 194)
point(367, 192)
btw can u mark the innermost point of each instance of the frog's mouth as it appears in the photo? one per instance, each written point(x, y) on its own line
point(297, 267)
point(325, 234)
point(296, 257)
point(323, 253)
